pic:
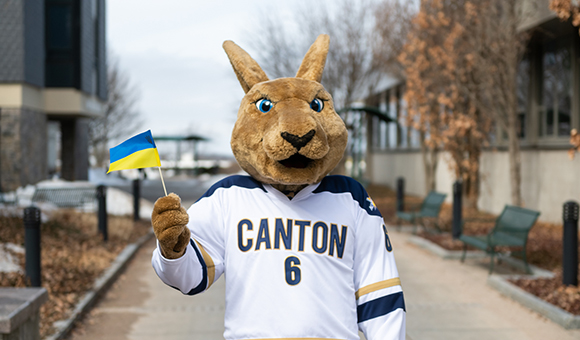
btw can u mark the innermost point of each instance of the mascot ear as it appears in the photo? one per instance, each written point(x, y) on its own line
point(247, 69)
point(314, 60)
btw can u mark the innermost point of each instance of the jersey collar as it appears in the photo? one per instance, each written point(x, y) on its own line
point(301, 194)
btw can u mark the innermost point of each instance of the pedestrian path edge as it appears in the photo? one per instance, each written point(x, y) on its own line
point(556, 314)
point(100, 286)
point(502, 284)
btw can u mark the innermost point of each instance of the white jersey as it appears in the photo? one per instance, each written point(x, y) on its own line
point(313, 267)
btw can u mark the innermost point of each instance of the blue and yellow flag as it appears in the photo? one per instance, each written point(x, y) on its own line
point(134, 153)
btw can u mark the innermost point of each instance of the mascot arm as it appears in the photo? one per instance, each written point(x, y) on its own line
point(381, 306)
point(201, 261)
point(184, 273)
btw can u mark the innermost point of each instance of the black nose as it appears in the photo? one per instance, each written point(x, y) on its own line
point(298, 142)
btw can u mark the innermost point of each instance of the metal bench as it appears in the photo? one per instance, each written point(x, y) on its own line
point(71, 197)
point(430, 207)
point(511, 229)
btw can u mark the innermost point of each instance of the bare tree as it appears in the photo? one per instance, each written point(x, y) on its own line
point(350, 68)
point(461, 64)
point(353, 67)
point(500, 49)
point(120, 118)
point(442, 92)
point(393, 22)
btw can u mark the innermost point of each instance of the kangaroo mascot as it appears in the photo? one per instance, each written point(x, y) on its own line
point(305, 255)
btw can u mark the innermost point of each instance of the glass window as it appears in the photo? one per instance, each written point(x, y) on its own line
point(564, 111)
point(59, 30)
point(392, 130)
point(384, 135)
point(404, 128)
point(95, 71)
point(523, 90)
point(415, 136)
point(382, 125)
point(556, 88)
point(62, 58)
point(94, 9)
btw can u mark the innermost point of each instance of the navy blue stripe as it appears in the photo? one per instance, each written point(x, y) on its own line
point(235, 180)
point(337, 184)
point(203, 284)
point(381, 306)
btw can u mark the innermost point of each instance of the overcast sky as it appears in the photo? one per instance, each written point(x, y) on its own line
point(172, 52)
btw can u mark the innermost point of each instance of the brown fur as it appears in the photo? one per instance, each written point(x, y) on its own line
point(169, 220)
point(258, 141)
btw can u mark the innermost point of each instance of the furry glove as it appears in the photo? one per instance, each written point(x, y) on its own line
point(169, 221)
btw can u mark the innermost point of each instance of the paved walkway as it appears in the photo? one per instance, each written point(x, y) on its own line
point(445, 300)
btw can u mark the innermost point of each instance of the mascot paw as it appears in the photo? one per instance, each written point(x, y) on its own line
point(169, 221)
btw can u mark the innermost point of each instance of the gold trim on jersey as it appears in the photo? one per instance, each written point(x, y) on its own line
point(377, 286)
point(208, 263)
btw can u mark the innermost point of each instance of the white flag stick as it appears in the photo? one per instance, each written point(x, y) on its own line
point(162, 181)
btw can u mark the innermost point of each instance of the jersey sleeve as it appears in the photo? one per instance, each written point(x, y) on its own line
point(203, 261)
point(379, 295)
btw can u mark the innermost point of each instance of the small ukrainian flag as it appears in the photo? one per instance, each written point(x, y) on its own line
point(136, 152)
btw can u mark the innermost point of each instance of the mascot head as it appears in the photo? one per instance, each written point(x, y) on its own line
point(287, 132)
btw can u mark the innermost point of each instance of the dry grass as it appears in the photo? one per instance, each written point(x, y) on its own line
point(73, 255)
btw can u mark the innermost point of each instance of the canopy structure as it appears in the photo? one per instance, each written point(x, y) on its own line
point(181, 138)
point(373, 111)
point(194, 139)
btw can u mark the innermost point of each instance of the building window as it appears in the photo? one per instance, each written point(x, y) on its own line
point(62, 43)
point(392, 129)
point(398, 133)
point(384, 134)
point(95, 14)
point(415, 137)
point(404, 138)
point(523, 90)
point(556, 96)
point(382, 125)
point(59, 27)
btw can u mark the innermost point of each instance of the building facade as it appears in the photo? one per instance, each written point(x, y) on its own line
point(52, 81)
point(549, 107)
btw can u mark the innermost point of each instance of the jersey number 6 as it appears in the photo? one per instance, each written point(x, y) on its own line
point(387, 240)
point(292, 270)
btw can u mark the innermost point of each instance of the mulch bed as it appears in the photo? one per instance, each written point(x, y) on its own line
point(73, 255)
point(544, 248)
point(553, 291)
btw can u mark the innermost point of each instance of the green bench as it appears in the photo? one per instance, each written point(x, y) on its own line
point(430, 207)
point(511, 229)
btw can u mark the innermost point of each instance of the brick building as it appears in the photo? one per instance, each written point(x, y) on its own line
point(52, 80)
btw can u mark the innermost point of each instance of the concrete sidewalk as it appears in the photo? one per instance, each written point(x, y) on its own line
point(445, 300)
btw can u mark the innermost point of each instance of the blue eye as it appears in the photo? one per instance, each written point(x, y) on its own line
point(317, 105)
point(264, 105)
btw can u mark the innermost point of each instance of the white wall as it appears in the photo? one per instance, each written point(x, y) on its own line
point(549, 178)
point(387, 167)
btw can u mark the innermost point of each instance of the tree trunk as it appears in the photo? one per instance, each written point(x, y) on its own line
point(430, 160)
point(512, 123)
point(472, 189)
point(101, 153)
point(515, 160)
